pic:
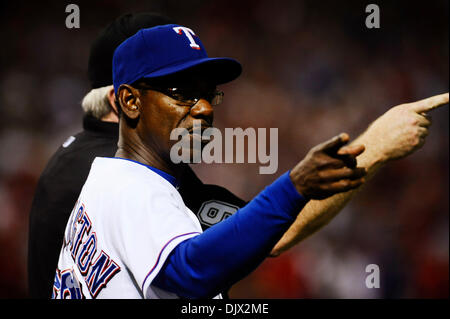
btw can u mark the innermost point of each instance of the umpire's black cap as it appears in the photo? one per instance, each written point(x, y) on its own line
point(103, 47)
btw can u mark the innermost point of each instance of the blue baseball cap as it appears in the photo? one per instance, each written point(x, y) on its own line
point(167, 50)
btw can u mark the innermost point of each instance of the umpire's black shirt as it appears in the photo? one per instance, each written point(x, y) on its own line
point(60, 185)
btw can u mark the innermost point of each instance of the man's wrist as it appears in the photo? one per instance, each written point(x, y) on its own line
point(372, 158)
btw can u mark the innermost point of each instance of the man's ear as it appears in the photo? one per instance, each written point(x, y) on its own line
point(129, 101)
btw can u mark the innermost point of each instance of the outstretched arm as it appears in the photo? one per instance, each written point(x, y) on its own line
point(204, 265)
point(396, 134)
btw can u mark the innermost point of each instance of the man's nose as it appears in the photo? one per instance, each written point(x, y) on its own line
point(203, 109)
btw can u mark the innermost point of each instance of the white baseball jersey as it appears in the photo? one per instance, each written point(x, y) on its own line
point(127, 220)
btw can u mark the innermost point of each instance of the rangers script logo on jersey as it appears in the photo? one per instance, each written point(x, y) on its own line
point(96, 267)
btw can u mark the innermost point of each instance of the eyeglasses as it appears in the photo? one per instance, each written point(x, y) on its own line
point(187, 96)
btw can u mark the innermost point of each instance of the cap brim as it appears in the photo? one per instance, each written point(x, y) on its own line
point(216, 70)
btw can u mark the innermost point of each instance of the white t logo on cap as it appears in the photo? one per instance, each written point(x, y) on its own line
point(189, 33)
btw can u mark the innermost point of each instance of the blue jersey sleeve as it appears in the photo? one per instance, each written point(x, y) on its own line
point(205, 265)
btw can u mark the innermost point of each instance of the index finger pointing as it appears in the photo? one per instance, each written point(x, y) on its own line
point(334, 143)
point(430, 103)
point(353, 150)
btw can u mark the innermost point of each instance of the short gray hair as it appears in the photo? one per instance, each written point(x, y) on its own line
point(96, 102)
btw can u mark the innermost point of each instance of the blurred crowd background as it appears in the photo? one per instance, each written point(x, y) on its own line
point(311, 69)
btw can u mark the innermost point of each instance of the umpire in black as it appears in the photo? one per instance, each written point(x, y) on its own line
point(62, 179)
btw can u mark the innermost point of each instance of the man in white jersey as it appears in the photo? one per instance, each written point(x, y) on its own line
point(110, 235)
point(130, 235)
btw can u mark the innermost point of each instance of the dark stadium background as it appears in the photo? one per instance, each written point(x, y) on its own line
point(312, 69)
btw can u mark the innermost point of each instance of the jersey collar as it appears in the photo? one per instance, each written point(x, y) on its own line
point(172, 180)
